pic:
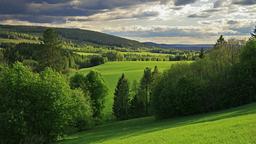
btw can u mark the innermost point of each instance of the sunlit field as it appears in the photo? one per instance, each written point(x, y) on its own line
point(234, 126)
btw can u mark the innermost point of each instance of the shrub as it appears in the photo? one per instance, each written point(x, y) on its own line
point(39, 105)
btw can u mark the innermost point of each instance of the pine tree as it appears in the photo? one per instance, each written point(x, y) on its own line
point(220, 42)
point(121, 99)
point(51, 50)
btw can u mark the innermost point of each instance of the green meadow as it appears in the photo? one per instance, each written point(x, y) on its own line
point(15, 41)
point(133, 70)
point(233, 126)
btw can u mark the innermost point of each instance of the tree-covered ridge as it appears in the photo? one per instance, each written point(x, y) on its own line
point(78, 36)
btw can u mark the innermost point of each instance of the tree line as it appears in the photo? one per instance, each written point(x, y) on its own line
point(223, 77)
point(54, 51)
point(136, 101)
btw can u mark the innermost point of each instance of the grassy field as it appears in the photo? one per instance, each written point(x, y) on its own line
point(3, 40)
point(86, 54)
point(111, 71)
point(233, 126)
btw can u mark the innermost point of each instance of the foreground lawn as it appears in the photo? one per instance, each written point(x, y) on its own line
point(234, 126)
point(133, 70)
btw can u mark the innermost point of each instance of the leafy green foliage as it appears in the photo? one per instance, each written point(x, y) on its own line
point(96, 60)
point(81, 110)
point(93, 85)
point(33, 104)
point(114, 56)
point(38, 105)
point(208, 84)
point(133, 70)
point(97, 89)
point(121, 99)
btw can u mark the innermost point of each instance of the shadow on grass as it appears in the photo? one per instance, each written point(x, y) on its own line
point(129, 128)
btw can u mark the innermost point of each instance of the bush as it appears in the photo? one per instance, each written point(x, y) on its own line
point(81, 110)
point(39, 105)
point(93, 85)
point(96, 60)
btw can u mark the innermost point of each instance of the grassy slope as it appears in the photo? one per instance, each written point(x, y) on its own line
point(234, 126)
point(111, 71)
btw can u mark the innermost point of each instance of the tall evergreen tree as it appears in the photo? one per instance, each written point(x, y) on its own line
point(121, 98)
point(220, 42)
point(51, 50)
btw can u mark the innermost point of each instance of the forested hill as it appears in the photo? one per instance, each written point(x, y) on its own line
point(196, 47)
point(78, 36)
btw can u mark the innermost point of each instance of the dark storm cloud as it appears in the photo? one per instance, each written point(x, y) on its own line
point(72, 7)
point(183, 2)
point(244, 2)
point(47, 10)
point(34, 19)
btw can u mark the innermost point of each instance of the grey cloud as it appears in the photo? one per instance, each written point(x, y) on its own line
point(162, 32)
point(244, 2)
point(205, 13)
point(183, 2)
point(61, 8)
point(201, 15)
point(221, 3)
point(34, 19)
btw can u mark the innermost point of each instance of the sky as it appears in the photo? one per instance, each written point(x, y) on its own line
point(161, 21)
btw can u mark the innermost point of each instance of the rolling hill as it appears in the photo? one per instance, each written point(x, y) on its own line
point(196, 47)
point(233, 126)
point(78, 36)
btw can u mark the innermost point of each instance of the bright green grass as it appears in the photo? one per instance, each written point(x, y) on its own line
point(86, 54)
point(133, 70)
point(234, 126)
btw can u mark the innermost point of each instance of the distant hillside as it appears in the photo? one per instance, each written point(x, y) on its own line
point(196, 47)
point(79, 36)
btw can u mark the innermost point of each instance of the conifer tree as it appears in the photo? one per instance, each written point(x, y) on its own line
point(51, 50)
point(220, 42)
